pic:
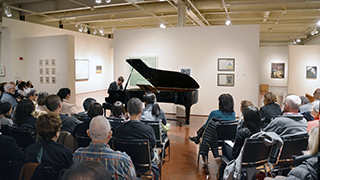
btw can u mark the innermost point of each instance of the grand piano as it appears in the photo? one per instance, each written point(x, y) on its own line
point(169, 87)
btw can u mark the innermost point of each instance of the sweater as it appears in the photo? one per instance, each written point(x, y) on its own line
point(307, 169)
point(287, 124)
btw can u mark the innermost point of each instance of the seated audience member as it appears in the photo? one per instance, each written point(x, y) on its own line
point(5, 111)
point(29, 84)
point(134, 129)
point(2, 90)
point(23, 114)
point(305, 108)
point(53, 104)
point(47, 151)
point(291, 122)
point(87, 170)
point(225, 112)
point(95, 109)
point(86, 105)
point(66, 107)
point(244, 105)
point(31, 94)
point(8, 95)
point(117, 163)
point(118, 111)
point(40, 107)
point(315, 111)
point(21, 89)
point(270, 110)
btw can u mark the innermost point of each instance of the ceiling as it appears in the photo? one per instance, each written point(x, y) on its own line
point(280, 21)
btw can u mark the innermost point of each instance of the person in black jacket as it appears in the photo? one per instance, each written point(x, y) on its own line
point(270, 110)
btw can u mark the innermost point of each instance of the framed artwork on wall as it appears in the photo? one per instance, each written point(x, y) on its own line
point(311, 72)
point(53, 71)
point(41, 79)
point(54, 80)
point(47, 62)
point(82, 69)
point(41, 62)
point(2, 71)
point(98, 69)
point(47, 79)
point(278, 70)
point(47, 71)
point(53, 62)
point(41, 71)
point(226, 64)
point(225, 79)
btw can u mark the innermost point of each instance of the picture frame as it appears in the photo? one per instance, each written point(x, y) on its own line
point(53, 71)
point(2, 71)
point(277, 70)
point(41, 79)
point(41, 62)
point(225, 79)
point(47, 79)
point(82, 69)
point(53, 79)
point(98, 69)
point(53, 62)
point(41, 71)
point(47, 62)
point(311, 72)
point(47, 71)
point(226, 64)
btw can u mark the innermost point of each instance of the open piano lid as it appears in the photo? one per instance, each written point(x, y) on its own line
point(163, 79)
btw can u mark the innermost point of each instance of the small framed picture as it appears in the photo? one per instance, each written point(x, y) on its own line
point(47, 62)
point(311, 72)
point(53, 71)
point(53, 62)
point(41, 79)
point(41, 71)
point(53, 79)
point(226, 64)
point(47, 71)
point(278, 70)
point(2, 71)
point(98, 69)
point(225, 79)
point(41, 62)
point(47, 79)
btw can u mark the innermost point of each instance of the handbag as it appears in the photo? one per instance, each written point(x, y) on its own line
point(166, 127)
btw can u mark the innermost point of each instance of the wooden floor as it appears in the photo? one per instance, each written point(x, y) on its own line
point(183, 156)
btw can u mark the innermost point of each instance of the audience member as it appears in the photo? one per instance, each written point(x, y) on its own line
point(291, 122)
point(118, 111)
point(87, 170)
point(305, 108)
point(95, 109)
point(29, 84)
point(5, 111)
point(47, 151)
point(134, 129)
point(23, 114)
point(244, 105)
point(117, 163)
point(8, 95)
point(53, 104)
point(31, 94)
point(21, 89)
point(2, 90)
point(86, 105)
point(270, 110)
point(66, 106)
point(316, 94)
point(225, 112)
point(41, 106)
point(315, 112)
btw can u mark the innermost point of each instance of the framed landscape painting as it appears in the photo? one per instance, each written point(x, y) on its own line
point(311, 72)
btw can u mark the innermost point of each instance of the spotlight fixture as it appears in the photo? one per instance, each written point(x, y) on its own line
point(298, 40)
point(107, 1)
point(8, 11)
point(162, 25)
point(228, 22)
point(318, 23)
point(294, 42)
point(81, 29)
point(98, 1)
point(85, 29)
point(94, 31)
point(101, 31)
point(76, 25)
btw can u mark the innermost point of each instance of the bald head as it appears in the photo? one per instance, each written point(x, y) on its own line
point(292, 103)
point(100, 129)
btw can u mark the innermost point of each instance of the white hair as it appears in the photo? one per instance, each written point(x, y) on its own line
point(99, 128)
point(7, 87)
point(294, 102)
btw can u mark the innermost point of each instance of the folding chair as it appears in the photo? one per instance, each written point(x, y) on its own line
point(255, 154)
point(82, 117)
point(5, 130)
point(106, 106)
point(82, 140)
point(139, 151)
point(114, 122)
point(23, 136)
point(226, 130)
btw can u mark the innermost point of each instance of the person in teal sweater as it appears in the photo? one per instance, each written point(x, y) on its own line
point(225, 112)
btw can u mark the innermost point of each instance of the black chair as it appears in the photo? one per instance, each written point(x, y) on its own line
point(293, 146)
point(82, 140)
point(226, 130)
point(160, 142)
point(114, 122)
point(139, 151)
point(106, 106)
point(255, 154)
point(23, 136)
point(82, 117)
point(5, 130)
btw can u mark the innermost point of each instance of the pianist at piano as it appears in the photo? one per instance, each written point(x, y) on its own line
point(116, 85)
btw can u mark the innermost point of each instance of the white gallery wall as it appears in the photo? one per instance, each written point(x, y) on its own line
point(98, 50)
point(197, 48)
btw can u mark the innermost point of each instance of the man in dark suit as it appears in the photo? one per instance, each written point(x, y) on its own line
point(116, 85)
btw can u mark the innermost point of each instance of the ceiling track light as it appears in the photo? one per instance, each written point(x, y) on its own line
point(162, 25)
point(8, 11)
point(101, 31)
point(107, 1)
point(85, 29)
point(81, 29)
point(94, 31)
point(98, 1)
point(298, 40)
point(228, 22)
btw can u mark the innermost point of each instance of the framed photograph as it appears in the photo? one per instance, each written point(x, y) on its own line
point(278, 70)
point(54, 71)
point(82, 69)
point(41, 79)
point(47, 79)
point(53, 79)
point(2, 71)
point(311, 72)
point(53, 62)
point(98, 69)
point(225, 79)
point(41, 71)
point(226, 64)
point(47, 62)
point(47, 71)
point(41, 62)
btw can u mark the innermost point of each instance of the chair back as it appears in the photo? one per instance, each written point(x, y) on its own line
point(114, 122)
point(5, 130)
point(82, 117)
point(157, 128)
point(23, 136)
point(82, 140)
point(226, 130)
point(138, 150)
point(255, 152)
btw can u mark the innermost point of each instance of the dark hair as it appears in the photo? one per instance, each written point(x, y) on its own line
point(120, 78)
point(23, 111)
point(150, 98)
point(63, 92)
point(226, 103)
point(134, 106)
point(95, 109)
point(117, 109)
point(87, 102)
point(48, 125)
point(90, 170)
point(29, 83)
point(42, 98)
point(22, 85)
point(252, 119)
point(2, 86)
point(5, 107)
point(52, 102)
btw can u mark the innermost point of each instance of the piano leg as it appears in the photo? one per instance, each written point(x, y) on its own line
point(187, 114)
